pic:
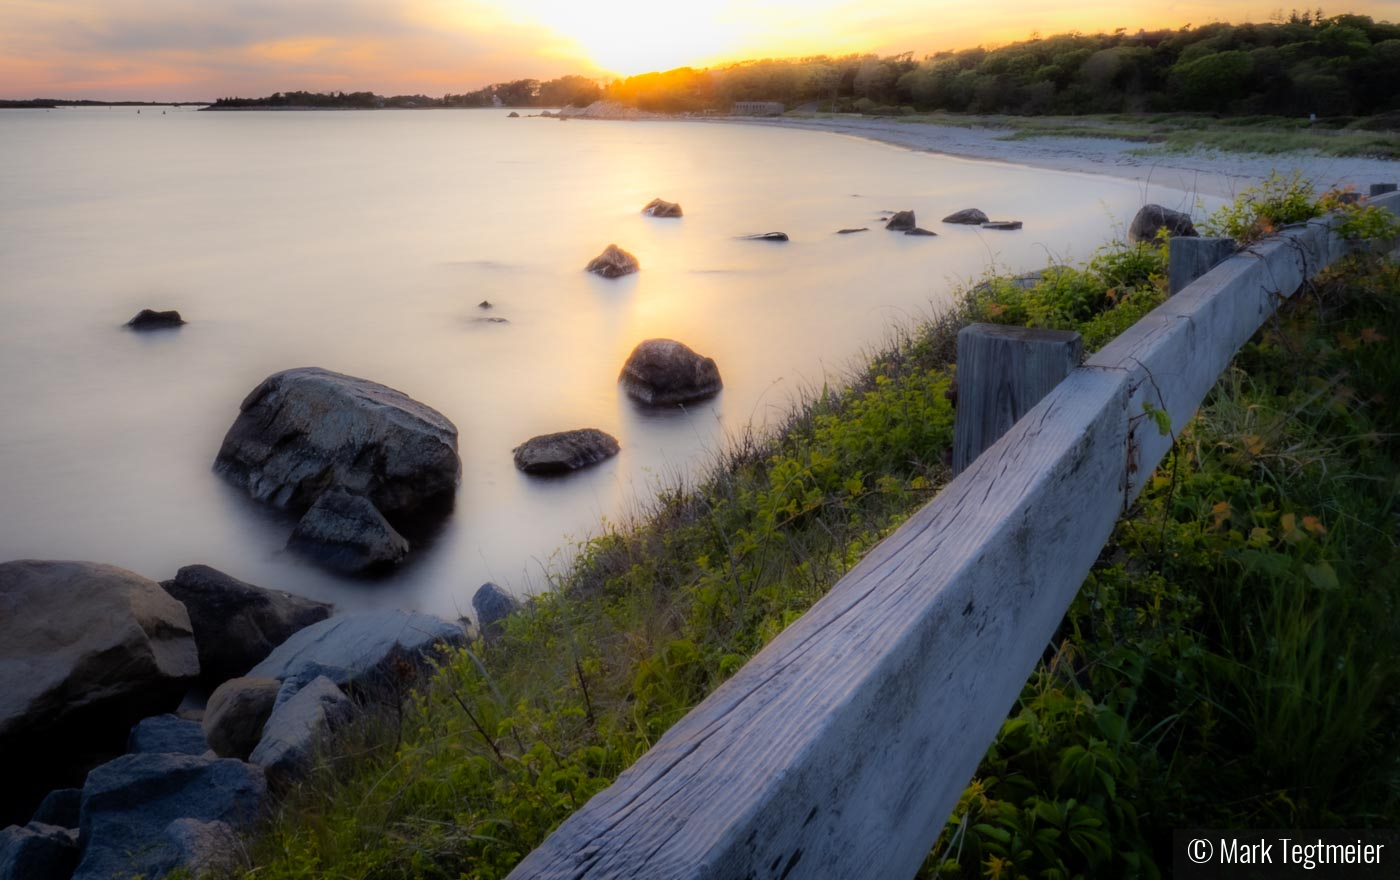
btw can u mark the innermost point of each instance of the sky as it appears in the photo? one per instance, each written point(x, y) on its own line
point(205, 49)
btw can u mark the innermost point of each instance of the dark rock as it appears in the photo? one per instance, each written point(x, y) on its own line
point(1152, 218)
point(60, 808)
point(237, 710)
point(919, 230)
point(564, 451)
point(854, 229)
point(303, 431)
point(485, 304)
point(79, 636)
point(766, 236)
point(492, 606)
point(362, 650)
point(129, 803)
point(902, 221)
point(1002, 224)
point(167, 734)
point(664, 372)
point(613, 262)
point(297, 725)
point(204, 847)
point(490, 320)
point(661, 208)
point(345, 532)
point(237, 624)
point(967, 217)
point(149, 319)
point(512, 115)
point(38, 852)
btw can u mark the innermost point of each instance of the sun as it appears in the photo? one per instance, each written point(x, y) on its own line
point(636, 36)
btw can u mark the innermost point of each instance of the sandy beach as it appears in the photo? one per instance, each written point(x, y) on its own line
point(1205, 172)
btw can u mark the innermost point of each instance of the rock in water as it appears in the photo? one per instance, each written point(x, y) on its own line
point(1002, 224)
point(765, 236)
point(82, 638)
point(613, 262)
point(289, 739)
point(1152, 218)
point(853, 229)
point(664, 372)
point(237, 624)
point(564, 451)
point(662, 208)
point(919, 230)
point(166, 735)
point(150, 319)
point(345, 532)
point(237, 711)
point(129, 803)
point(967, 217)
point(361, 651)
point(512, 115)
point(492, 606)
point(303, 431)
point(902, 221)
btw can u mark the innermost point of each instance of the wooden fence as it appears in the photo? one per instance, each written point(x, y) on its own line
point(841, 748)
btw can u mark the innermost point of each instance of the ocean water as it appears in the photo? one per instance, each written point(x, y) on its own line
point(362, 243)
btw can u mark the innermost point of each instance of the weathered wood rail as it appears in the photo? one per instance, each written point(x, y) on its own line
point(840, 749)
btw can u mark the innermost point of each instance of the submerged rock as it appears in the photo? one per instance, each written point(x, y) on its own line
point(1002, 224)
point(967, 217)
point(919, 230)
point(150, 319)
point(492, 606)
point(303, 431)
point(613, 262)
point(664, 372)
point(1150, 219)
point(853, 229)
point(166, 735)
point(237, 711)
point(345, 532)
point(765, 236)
point(512, 115)
point(289, 739)
point(564, 451)
point(237, 624)
point(902, 221)
point(662, 208)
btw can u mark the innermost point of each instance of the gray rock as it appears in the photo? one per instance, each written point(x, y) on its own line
point(296, 726)
point(237, 711)
point(853, 229)
point(564, 451)
point(1002, 224)
point(303, 431)
point(663, 372)
point(149, 319)
point(902, 221)
point(167, 734)
point(662, 208)
point(919, 230)
point(204, 847)
point(512, 115)
point(613, 262)
point(765, 236)
point(237, 624)
point(345, 532)
point(363, 651)
point(1151, 218)
point(485, 304)
point(129, 803)
point(492, 606)
point(37, 852)
point(967, 217)
point(60, 808)
point(82, 638)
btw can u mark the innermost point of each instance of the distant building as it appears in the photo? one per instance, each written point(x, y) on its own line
point(758, 108)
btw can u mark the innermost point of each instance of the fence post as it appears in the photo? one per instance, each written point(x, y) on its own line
point(1003, 372)
point(1188, 258)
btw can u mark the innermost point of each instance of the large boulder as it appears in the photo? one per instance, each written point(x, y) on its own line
point(663, 372)
point(303, 431)
point(1150, 219)
point(492, 606)
point(967, 217)
point(613, 262)
point(289, 739)
point(237, 710)
point(130, 803)
point(237, 624)
point(364, 651)
point(901, 221)
point(167, 734)
point(60, 808)
point(662, 208)
point(345, 532)
point(564, 451)
point(85, 651)
point(37, 852)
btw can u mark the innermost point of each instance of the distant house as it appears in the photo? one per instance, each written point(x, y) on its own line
point(758, 108)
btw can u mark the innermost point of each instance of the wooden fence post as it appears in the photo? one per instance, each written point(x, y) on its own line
point(1188, 258)
point(1003, 372)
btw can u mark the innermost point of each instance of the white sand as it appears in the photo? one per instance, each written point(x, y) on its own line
point(1203, 171)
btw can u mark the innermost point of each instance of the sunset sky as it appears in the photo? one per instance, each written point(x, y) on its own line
point(204, 49)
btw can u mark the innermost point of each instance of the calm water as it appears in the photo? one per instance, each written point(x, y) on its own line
point(362, 242)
